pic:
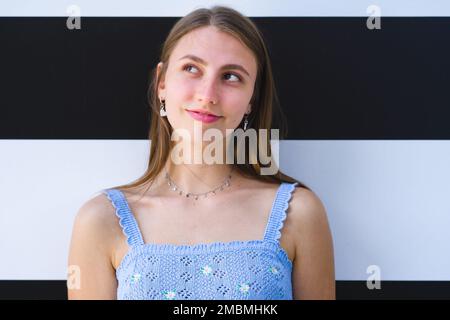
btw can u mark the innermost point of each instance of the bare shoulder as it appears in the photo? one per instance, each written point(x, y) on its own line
point(97, 213)
point(97, 223)
point(306, 207)
point(313, 272)
point(309, 219)
point(91, 250)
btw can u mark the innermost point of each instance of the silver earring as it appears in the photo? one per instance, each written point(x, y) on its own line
point(245, 122)
point(162, 110)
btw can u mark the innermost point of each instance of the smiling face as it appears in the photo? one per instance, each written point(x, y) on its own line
point(212, 71)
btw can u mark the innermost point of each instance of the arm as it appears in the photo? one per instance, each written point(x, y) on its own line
point(90, 251)
point(313, 267)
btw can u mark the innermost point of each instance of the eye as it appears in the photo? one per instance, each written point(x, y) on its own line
point(232, 74)
point(188, 66)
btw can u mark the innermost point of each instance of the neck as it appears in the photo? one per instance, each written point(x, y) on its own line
point(198, 178)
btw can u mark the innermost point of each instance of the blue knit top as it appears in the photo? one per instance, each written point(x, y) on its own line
point(236, 270)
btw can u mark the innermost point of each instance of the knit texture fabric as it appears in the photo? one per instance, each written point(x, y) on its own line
point(236, 270)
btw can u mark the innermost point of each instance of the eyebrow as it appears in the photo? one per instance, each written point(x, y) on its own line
point(224, 67)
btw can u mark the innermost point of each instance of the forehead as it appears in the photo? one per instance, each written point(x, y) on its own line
point(216, 47)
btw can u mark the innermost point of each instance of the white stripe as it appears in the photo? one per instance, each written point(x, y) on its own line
point(254, 8)
point(387, 201)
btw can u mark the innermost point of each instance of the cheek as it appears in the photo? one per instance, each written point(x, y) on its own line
point(180, 88)
point(236, 103)
point(233, 117)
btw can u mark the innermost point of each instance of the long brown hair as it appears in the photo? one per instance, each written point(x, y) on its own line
point(264, 99)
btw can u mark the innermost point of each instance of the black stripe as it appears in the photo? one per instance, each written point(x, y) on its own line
point(345, 290)
point(33, 289)
point(336, 79)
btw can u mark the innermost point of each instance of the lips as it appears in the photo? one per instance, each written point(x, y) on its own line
point(203, 117)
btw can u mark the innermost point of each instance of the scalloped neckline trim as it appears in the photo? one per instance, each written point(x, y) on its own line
point(199, 248)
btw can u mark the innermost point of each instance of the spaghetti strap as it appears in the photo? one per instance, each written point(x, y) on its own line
point(278, 212)
point(126, 219)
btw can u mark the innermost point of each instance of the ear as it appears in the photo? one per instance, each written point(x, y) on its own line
point(161, 85)
point(249, 109)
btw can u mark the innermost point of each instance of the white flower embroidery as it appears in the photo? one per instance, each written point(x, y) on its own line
point(273, 270)
point(243, 287)
point(206, 270)
point(170, 295)
point(136, 277)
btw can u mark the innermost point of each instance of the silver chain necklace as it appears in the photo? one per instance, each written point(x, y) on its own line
point(174, 187)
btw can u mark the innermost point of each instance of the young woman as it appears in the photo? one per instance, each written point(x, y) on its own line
point(206, 230)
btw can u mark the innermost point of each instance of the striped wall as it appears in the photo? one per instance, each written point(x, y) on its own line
point(369, 128)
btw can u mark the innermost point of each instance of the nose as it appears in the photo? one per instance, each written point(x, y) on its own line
point(208, 92)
